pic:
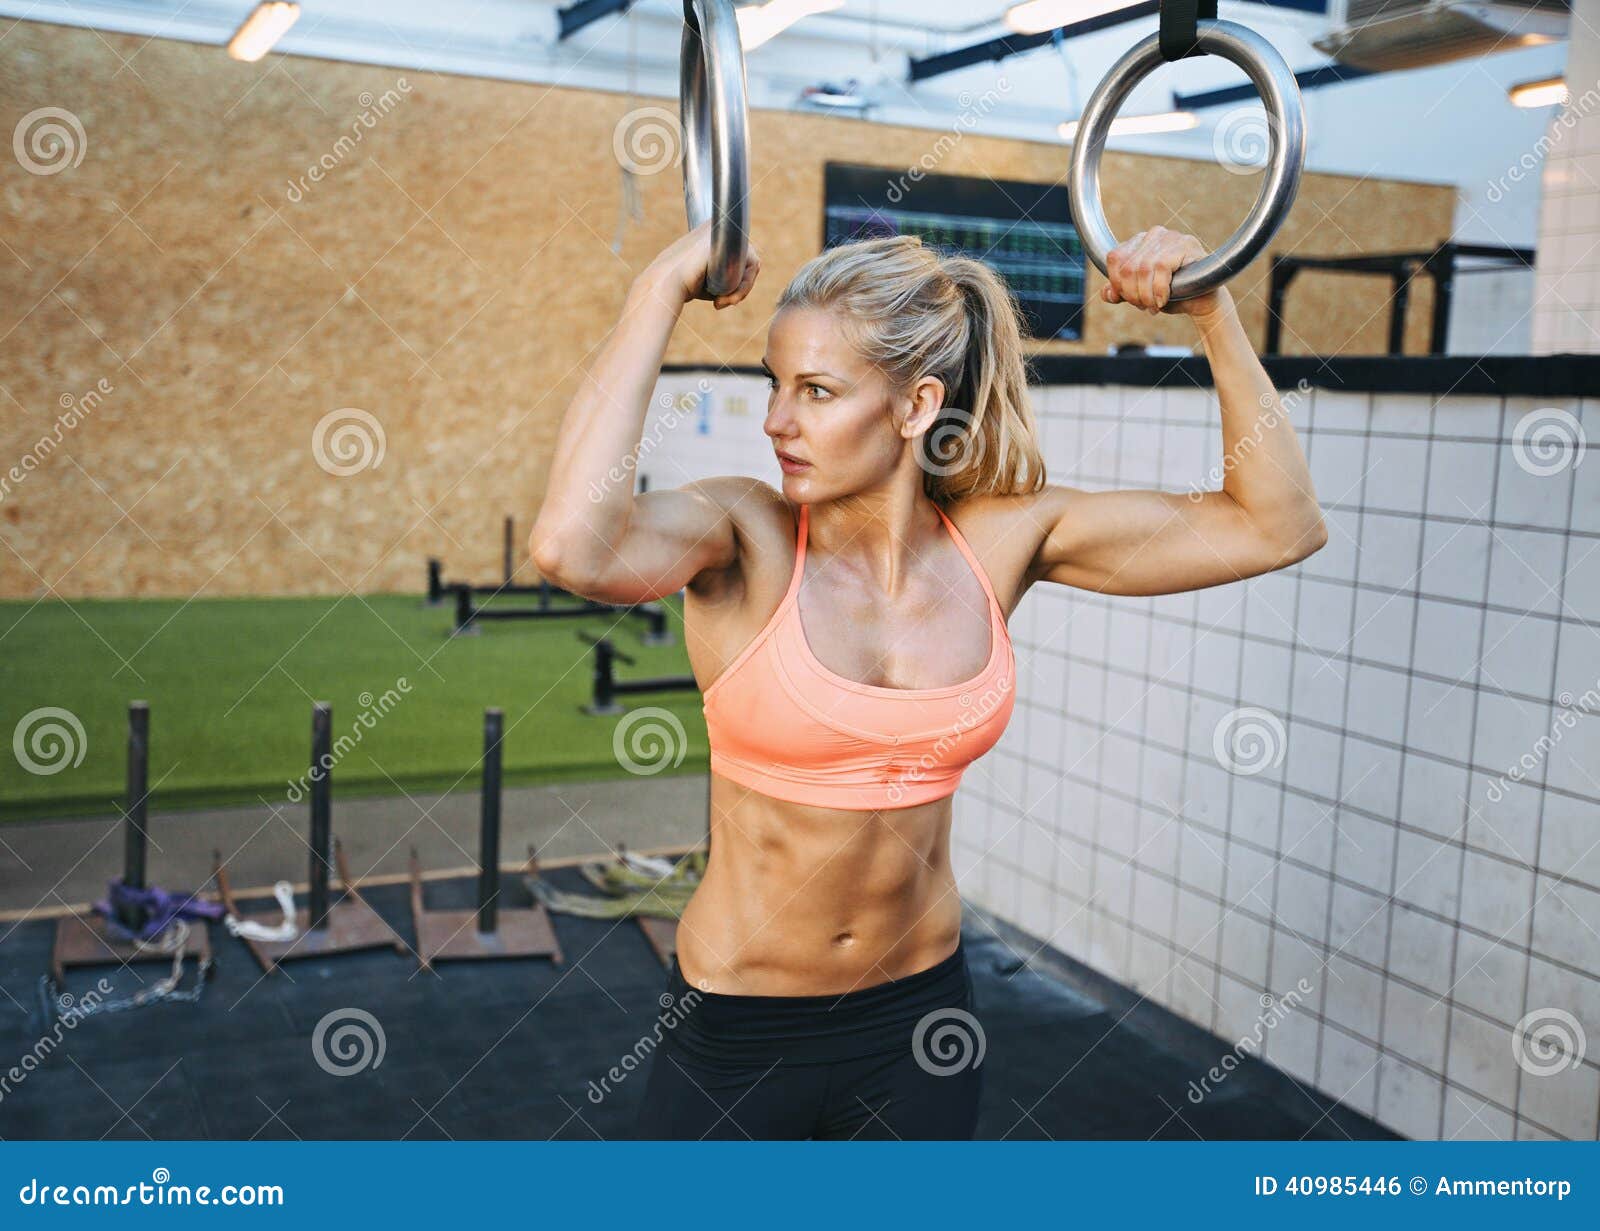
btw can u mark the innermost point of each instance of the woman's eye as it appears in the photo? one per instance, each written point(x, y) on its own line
point(817, 392)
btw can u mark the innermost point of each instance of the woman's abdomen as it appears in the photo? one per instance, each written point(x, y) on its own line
point(799, 900)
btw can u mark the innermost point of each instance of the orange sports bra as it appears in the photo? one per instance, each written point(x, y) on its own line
point(785, 725)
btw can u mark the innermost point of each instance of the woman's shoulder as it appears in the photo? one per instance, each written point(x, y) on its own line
point(1006, 511)
point(746, 497)
point(1005, 531)
point(760, 513)
point(765, 525)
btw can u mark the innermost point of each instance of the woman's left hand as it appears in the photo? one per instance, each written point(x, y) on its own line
point(1139, 272)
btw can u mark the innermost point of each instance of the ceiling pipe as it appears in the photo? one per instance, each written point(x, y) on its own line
point(1014, 44)
point(1308, 79)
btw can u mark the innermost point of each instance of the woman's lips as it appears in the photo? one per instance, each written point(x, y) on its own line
point(790, 465)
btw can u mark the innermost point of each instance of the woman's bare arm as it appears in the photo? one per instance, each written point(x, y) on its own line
point(592, 535)
point(1143, 541)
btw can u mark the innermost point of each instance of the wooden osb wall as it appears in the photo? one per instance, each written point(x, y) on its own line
point(447, 277)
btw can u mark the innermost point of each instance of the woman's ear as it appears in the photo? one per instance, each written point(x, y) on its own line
point(927, 400)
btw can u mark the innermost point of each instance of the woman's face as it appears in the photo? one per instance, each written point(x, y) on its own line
point(833, 410)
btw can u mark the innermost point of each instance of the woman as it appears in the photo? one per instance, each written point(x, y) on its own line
point(849, 632)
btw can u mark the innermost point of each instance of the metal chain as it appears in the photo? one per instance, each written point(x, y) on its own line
point(174, 940)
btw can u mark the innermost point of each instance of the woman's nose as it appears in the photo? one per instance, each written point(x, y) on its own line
point(780, 416)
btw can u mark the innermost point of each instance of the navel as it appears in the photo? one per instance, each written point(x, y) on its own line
point(844, 940)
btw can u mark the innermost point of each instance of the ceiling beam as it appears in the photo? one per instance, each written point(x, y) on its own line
point(576, 16)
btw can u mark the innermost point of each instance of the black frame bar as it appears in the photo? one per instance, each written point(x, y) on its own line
point(1439, 263)
point(321, 814)
point(489, 822)
point(135, 833)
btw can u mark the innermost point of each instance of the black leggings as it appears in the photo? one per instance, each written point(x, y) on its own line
point(902, 1059)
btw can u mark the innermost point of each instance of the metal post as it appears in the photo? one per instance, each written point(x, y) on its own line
point(1442, 265)
point(321, 809)
point(489, 823)
point(1400, 284)
point(463, 608)
point(435, 580)
point(604, 693)
point(511, 530)
point(135, 835)
point(1282, 275)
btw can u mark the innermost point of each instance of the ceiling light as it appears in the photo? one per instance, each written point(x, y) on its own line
point(835, 98)
point(1133, 125)
point(261, 30)
point(760, 22)
point(1550, 92)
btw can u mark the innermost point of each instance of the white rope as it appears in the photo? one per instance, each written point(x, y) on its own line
point(251, 930)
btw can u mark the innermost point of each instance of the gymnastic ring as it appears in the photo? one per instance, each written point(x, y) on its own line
point(716, 143)
point(1286, 125)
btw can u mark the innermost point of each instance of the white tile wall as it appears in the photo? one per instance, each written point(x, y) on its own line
point(1432, 900)
point(1566, 295)
point(1424, 847)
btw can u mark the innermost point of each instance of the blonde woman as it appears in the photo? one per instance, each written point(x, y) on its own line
point(848, 628)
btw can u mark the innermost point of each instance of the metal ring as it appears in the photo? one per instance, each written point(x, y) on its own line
point(716, 144)
point(1286, 126)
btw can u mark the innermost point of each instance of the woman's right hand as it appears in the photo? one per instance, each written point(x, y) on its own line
point(681, 267)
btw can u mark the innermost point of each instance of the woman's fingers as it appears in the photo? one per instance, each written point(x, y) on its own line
point(752, 267)
point(1139, 272)
point(1150, 272)
point(1126, 270)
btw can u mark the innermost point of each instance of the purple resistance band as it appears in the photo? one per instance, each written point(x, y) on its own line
point(160, 909)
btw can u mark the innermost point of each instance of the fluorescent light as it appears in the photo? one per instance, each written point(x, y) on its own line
point(760, 22)
point(1551, 92)
point(835, 97)
point(1132, 125)
point(261, 30)
point(1037, 16)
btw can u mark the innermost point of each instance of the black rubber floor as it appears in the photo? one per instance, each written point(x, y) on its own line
point(482, 1050)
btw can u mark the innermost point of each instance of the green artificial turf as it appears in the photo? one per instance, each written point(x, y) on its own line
point(231, 683)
